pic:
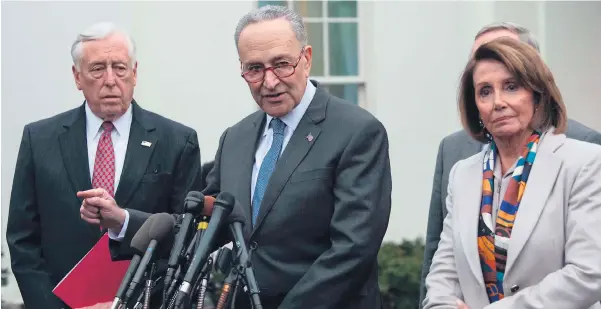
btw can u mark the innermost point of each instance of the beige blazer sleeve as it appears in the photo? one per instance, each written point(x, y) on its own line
point(578, 283)
point(442, 282)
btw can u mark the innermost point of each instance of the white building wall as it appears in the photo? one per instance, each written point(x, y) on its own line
point(413, 55)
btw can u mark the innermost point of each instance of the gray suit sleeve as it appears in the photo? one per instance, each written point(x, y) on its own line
point(435, 219)
point(593, 137)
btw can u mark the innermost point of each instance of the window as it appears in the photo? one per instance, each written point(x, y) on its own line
point(333, 32)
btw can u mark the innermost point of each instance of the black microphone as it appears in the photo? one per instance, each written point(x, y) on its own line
point(140, 241)
point(236, 222)
point(193, 206)
point(161, 227)
point(221, 210)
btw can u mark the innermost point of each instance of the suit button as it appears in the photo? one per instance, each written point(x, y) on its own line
point(515, 288)
point(253, 245)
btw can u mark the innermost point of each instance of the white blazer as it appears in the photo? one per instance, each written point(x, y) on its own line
point(554, 255)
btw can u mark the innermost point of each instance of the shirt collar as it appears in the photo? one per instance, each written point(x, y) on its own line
point(121, 124)
point(293, 118)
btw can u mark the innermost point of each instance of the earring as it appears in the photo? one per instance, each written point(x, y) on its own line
point(485, 131)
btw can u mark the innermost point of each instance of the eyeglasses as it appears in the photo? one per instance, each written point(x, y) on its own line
point(256, 73)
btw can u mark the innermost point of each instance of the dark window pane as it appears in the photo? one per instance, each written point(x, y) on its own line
point(343, 49)
point(309, 8)
point(342, 8)
point(315, 33)
point(349, 92)
point(280, 3)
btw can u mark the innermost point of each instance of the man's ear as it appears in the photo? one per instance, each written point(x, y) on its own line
point(308, 55)
point(76, 76)
point(135, 70)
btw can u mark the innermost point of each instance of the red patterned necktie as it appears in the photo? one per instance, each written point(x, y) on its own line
point(104, 165)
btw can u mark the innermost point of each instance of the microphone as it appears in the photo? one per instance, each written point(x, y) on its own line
point(236, 221)
point(221, 209)
point(208, 202)
point(172, 282)
point(138, 242)
point(161, 227)
point(193, 205)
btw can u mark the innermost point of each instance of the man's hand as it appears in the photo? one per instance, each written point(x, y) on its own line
point(100, 208)
point(461, 305)
point(98, 306)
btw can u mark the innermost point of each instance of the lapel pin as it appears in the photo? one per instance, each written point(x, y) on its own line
point(310, 137)
point(146, 144)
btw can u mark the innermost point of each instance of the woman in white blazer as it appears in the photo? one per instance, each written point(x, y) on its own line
point(523, 228)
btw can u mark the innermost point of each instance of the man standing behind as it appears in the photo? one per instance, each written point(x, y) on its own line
point(460, 145)
point(311, 172)
point(108, 161)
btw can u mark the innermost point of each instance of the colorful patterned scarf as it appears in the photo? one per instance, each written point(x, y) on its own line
point(492, 247)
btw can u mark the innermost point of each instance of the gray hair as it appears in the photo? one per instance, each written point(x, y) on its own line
point(523, 33)
point(273, 12)
point(100, 31)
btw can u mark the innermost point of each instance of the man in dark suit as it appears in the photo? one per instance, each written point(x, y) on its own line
point(459, 146)
point(108, 161)
point(310, 171)
point(204, 172)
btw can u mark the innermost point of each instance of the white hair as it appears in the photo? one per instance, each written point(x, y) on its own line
point(273, 12)
point(100, 31)
point(523, 33)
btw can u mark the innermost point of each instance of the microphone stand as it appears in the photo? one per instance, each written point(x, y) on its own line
point(149, 286)
point(246, 273)
point(231, 279)
point(139, 304)
point(171, 294)
point(202, 283)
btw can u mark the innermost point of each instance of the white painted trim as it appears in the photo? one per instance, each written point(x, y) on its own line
point(326, 40)
point(332, 19)
point(339, 80)
point(542, 27)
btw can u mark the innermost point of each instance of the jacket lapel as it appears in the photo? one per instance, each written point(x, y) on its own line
point(137, 155)
point(246, 149)
point(295, 151)
point(73, 145)
point(540, 183)
point(467, 203)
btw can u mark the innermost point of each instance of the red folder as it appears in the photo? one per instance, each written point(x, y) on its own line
point(95, 279)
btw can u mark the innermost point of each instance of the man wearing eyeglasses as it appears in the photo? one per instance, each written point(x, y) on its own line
point(310, 171)
point(102, 167)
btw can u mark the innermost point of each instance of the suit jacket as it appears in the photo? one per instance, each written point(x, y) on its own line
point(45, 233)
point(554, 249)
point(325, 209)
point(452, 149)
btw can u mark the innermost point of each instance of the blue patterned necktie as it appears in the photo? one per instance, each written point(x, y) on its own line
point(268, 165)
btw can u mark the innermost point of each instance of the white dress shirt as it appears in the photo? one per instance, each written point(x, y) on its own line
point(119, 137)
point(291, 120)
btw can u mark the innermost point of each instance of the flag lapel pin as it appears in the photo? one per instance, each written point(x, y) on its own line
point(310, 137)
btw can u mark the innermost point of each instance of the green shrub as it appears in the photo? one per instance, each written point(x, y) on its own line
point(399, 273)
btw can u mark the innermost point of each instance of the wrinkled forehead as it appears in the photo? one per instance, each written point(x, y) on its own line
point(111, 49)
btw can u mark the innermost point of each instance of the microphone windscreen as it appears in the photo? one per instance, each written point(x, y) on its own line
point(208, 206)
point(226, 200)
point(194, 203)
point(162, 226)
point(141, 239)
point(236, 216)
point(194, 194)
